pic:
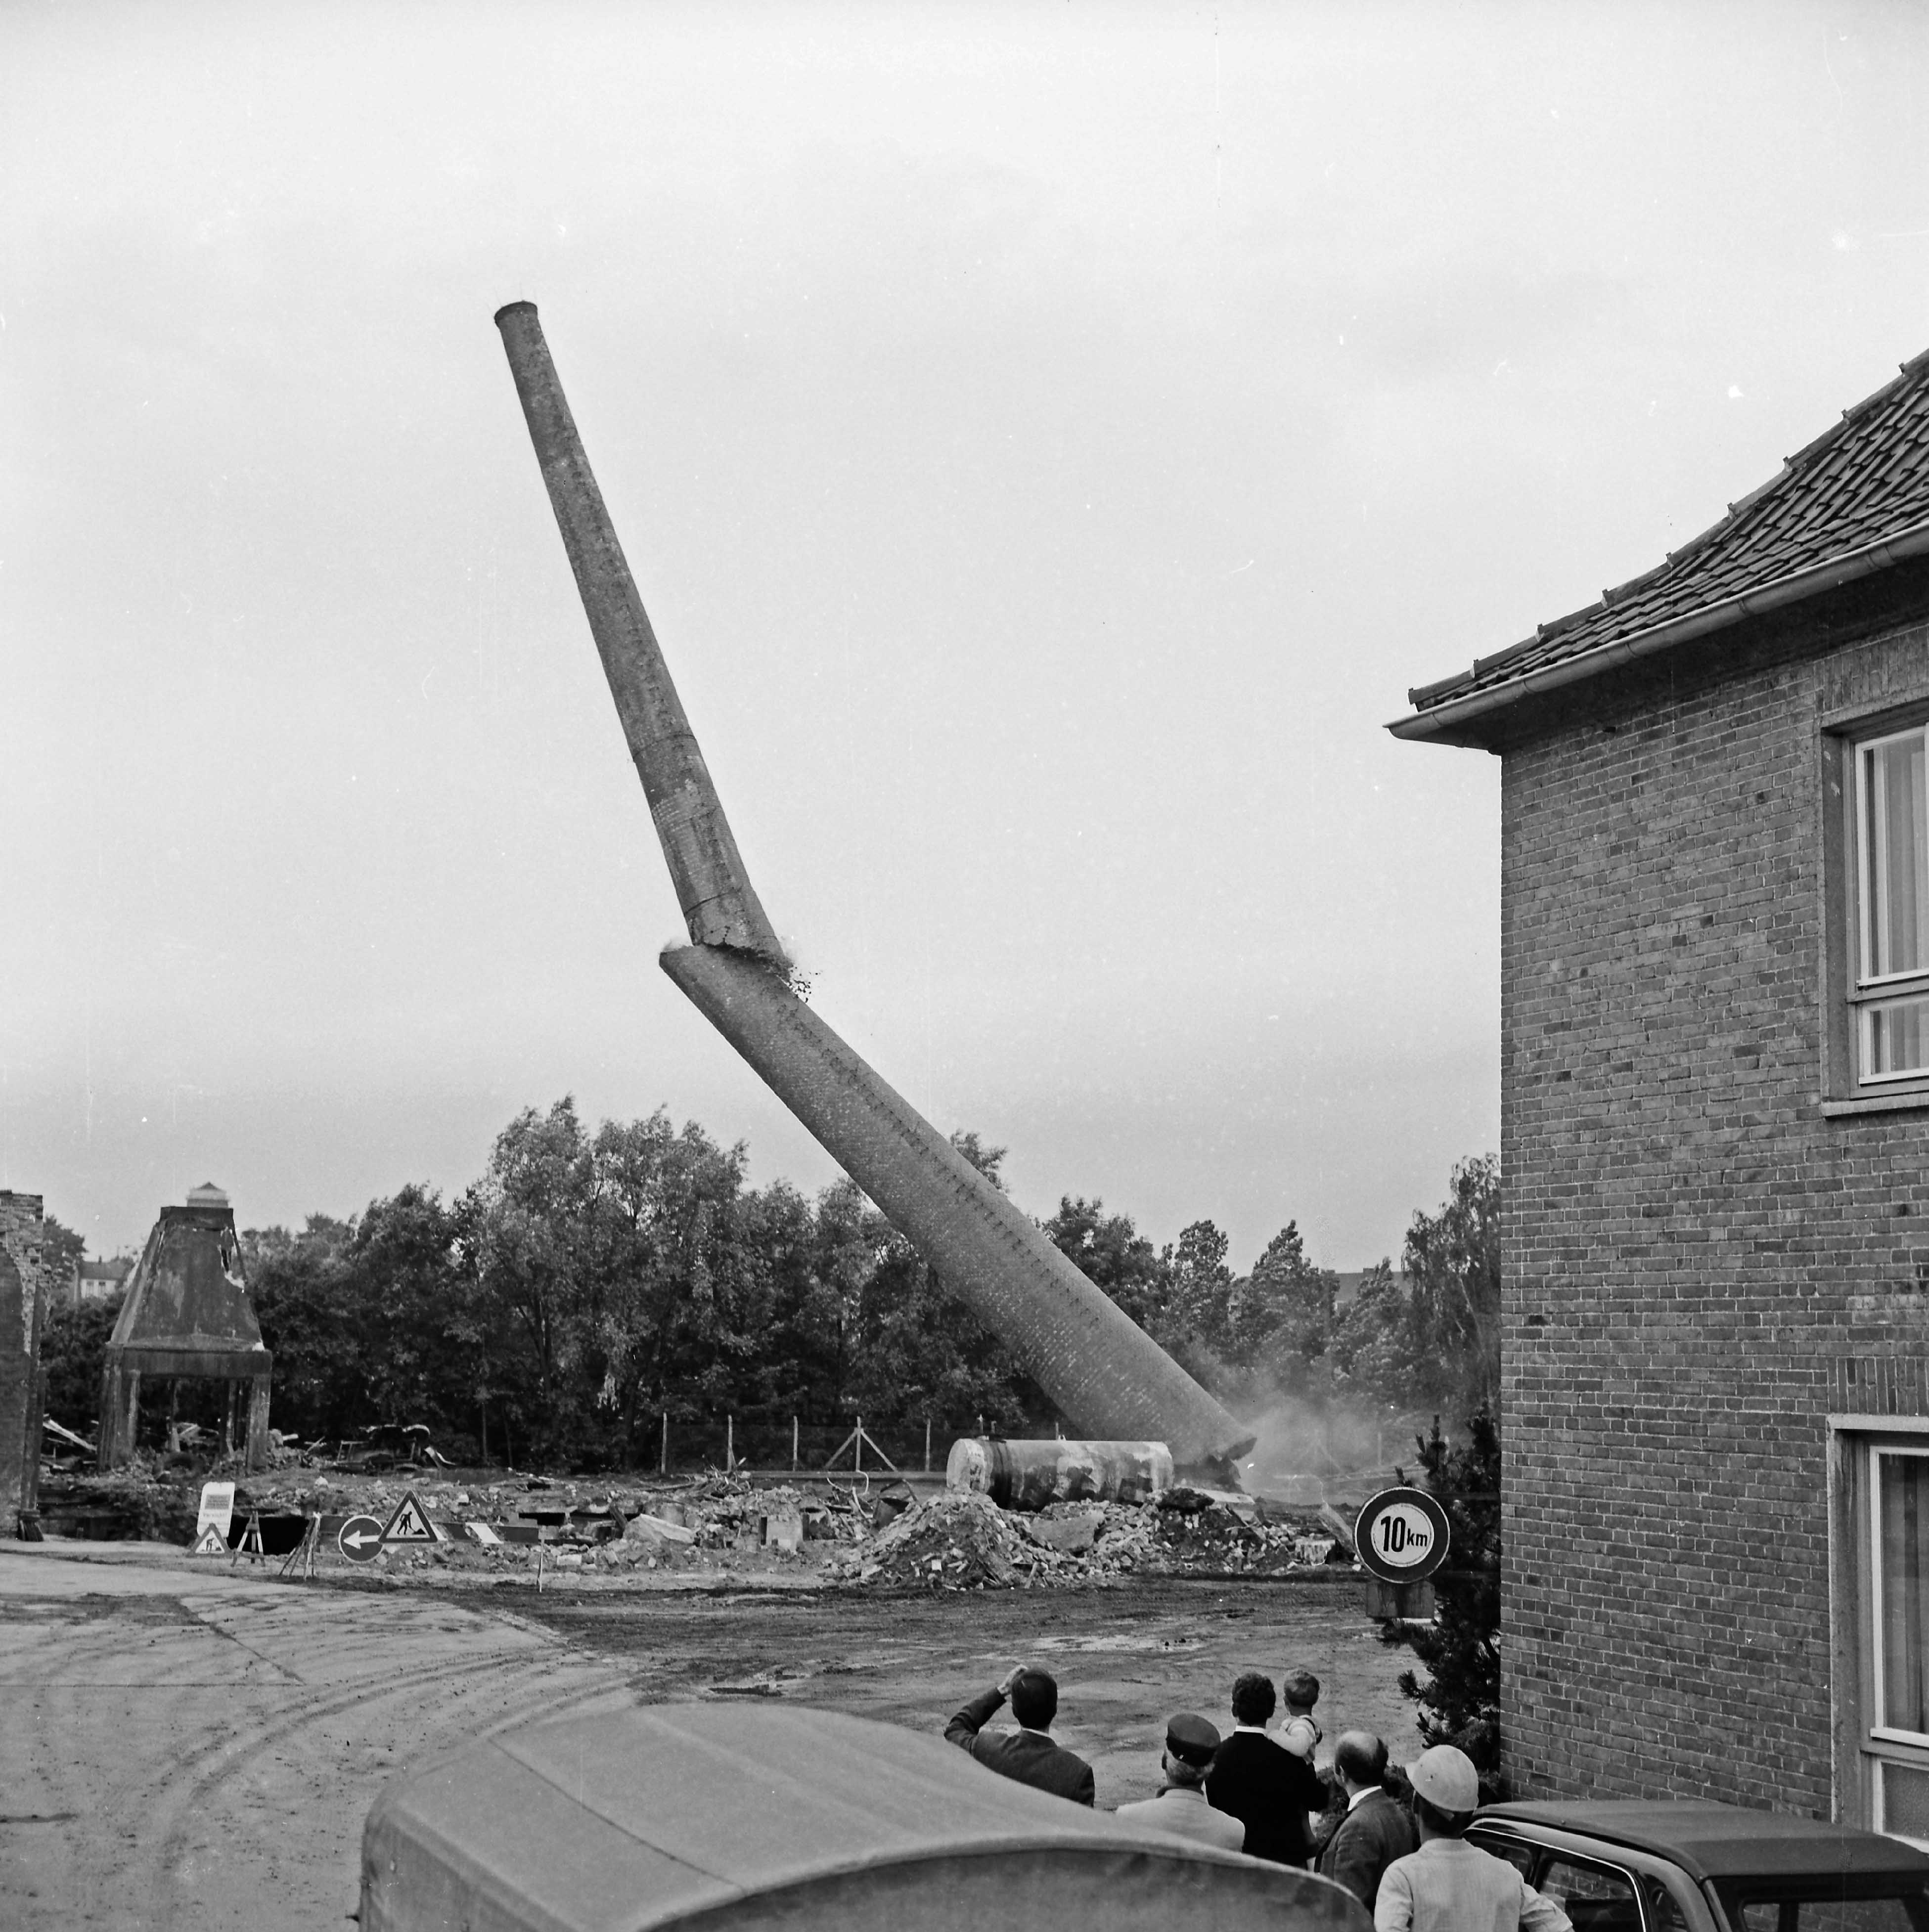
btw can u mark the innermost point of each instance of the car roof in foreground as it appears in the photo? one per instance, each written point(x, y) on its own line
point(740, 1816)
point(1727, 1841)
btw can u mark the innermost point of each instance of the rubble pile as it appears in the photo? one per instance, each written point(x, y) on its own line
point(133, 1503)
point(1197, 1530)
point(948, 1542)
point(637, 1529)
point(955, 1542)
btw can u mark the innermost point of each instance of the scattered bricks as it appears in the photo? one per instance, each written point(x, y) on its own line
point(1073, 1533)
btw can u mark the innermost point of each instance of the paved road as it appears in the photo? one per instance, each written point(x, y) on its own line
point(185, 1747)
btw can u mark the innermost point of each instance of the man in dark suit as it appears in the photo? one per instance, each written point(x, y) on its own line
point(1028, 1753)
point(1268, 1788)
point(1376, 1830)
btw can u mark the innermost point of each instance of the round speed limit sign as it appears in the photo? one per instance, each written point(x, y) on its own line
point(1401, 1535)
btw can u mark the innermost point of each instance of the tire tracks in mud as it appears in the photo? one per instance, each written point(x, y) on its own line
point(199, 1803)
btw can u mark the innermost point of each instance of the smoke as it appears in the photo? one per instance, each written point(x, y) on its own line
point(1318, 1448)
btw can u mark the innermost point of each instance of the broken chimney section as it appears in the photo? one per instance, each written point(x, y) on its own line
point(1103, 1371)
point(23, 1305)
point(186, 1314)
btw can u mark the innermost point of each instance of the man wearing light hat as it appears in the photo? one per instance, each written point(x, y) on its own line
point(1180, 1808)
point(1449, 1885)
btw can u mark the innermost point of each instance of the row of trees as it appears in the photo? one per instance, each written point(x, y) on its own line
point(592, 1283)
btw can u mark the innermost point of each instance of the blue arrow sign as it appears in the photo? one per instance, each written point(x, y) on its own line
point(359, 1539)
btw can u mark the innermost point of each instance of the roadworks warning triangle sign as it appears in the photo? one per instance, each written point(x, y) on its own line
point(410, 1523)
point(211, 1542)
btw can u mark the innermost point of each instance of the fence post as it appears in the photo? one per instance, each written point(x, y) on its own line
point(729, 1444)
point(927, 1445)
point(860, 1440)
point(663, 1453)
point(793, 1442)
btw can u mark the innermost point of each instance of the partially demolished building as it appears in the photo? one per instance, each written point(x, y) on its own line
point(23, 1310)
point(186, 1314)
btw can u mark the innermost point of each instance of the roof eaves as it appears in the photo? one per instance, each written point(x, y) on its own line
point(1777, 595)
point(1438, 693)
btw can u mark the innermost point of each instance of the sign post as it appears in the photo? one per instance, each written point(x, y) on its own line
point(1402, 1537)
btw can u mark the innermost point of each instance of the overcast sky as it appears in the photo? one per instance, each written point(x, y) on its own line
point(1049, 442)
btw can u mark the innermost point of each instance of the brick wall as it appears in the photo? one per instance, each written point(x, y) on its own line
point(1699, 1265)
point(22, 1313)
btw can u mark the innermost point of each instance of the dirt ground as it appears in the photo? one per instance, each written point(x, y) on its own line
point(190, 1747)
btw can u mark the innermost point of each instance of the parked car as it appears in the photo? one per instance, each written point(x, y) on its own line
point(729, 1818)
point(1631, 1865)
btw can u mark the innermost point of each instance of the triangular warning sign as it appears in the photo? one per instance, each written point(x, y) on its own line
point(410, 1523)
point(212, 1542)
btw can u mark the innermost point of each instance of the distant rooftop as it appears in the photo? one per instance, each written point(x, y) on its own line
point(1853, 502)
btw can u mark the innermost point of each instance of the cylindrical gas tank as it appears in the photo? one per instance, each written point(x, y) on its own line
point(1028, 1475)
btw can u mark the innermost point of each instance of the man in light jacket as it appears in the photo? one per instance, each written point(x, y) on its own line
point(1180, 1807)
point(1449, 1885)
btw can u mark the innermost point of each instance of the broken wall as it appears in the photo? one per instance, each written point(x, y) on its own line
point(23, 1306)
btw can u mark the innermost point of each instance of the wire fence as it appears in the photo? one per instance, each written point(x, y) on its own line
point(762, 1444)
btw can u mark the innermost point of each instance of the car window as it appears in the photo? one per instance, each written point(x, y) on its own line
point(1518, 1855)
point(1829, 1915)
point(1598, 1900)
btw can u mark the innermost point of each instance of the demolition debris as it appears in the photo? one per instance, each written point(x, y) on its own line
point(851, 1535)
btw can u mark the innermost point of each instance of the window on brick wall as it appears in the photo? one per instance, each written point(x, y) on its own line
point(1889, 786)
point(1879, 1485)
point(1875, 857)
point(1899, 1637)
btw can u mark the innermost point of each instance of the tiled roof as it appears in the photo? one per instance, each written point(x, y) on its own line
point(1832, 513)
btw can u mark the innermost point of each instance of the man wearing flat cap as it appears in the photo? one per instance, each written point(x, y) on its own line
point(1180, 1808)
point(1449, 1885)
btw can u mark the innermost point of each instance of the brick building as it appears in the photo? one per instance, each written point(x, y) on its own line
point(1715, 1146)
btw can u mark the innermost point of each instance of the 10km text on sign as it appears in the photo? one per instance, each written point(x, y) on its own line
point(1401, 1535)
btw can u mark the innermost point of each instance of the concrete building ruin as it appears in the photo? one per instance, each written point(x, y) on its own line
point(23, 1310)
point(186, 1314)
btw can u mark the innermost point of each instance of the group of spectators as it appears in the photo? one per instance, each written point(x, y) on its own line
point(1397, 1842)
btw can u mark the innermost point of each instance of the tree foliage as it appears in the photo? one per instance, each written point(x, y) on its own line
point(74, 1350)
point(593, 1283)
point(1460, 1701)
point(61, 1250)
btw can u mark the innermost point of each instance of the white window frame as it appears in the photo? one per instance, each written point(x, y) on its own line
point(1878, 1454)
point(1868, 990)
point(1862, 1749)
